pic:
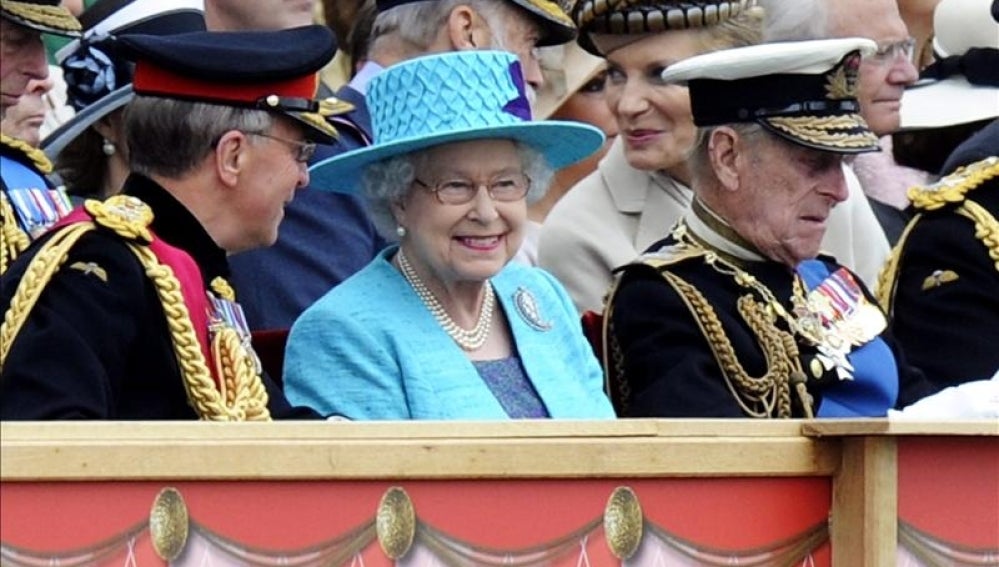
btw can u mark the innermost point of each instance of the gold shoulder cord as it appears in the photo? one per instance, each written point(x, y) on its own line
point(953, 188)
point(15, 240)
point(887, 282)
point(764, 396)
point(243, 398)
point(986, 227)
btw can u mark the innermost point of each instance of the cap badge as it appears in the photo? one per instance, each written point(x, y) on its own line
point(272, 100)
point(527, 308)
point(841, 82)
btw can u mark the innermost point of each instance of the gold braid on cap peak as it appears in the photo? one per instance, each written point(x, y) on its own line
point(820, 130)
point(55, 17)
point(952, 188)
point(243, 396)
point(554, 10)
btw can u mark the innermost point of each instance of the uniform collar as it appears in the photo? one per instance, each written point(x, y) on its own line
point(714, 232)
point(175, 224)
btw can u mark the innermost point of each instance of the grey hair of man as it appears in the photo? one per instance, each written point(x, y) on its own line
point(794, 20)
point(387, 182)
point(170, 137)
point(417, 24)
point(699, 159)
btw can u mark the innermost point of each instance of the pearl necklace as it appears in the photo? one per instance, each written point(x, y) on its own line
point(467, 340)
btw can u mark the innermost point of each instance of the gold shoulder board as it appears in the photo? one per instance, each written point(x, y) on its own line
point(952, 188)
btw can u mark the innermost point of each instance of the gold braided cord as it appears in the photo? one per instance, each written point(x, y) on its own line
point(204, 396)
point(953, 187)
point(986, 227)
point(43, 266)
point(248, 396)
point(242, 390)
point(15, 240)
point(763, 396)
point(884, 290)
point(816, 130)
point(37, 156)
point(52, 16)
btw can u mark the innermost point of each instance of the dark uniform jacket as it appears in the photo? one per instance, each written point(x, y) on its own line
point(684, 349)
point(943, 287)
point(96, 345)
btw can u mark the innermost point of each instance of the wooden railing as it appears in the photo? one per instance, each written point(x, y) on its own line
point(857, 458)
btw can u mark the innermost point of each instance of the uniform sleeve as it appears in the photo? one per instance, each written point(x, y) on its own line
point(69, 359)
point(667, 363)
point(336, 365)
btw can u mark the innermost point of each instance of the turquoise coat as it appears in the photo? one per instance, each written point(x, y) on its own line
point(370, 349)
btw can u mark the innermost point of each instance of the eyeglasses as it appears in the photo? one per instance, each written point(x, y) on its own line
point(457, 191)
point(889, 52)
point(303, 150)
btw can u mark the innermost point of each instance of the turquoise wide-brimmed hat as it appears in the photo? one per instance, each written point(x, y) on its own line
point(453, 97)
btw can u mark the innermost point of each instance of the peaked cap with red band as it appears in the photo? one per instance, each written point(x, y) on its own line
point(267, 70)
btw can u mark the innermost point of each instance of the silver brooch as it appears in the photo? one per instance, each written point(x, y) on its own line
point(527, 307)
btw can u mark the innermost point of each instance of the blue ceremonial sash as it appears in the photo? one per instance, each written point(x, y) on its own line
point(874, 387)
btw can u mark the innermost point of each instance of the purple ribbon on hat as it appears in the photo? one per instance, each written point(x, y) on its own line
point(520, 106)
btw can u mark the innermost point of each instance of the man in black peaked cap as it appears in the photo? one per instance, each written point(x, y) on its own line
point(131, 292)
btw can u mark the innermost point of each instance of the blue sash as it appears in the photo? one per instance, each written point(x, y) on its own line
point(874, 387)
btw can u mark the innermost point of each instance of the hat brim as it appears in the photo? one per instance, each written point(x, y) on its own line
point(841, 134)
point(557, 27)
point(561, 143)
point(43, 18)
point(58, 139)
point(949, 102)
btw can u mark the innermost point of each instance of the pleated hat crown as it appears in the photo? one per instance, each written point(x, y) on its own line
point(450, 97)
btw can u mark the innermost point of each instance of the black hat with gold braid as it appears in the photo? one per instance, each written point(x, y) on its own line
point(623, 17)
point(41, 15)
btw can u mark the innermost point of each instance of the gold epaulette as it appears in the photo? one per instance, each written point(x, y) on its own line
point(671, 254)
point(953, 187)
point(36, 156)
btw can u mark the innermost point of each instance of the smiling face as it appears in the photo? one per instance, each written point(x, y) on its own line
point(653, 118)
point(451, 245)
point(784, 196)
point(22, 58)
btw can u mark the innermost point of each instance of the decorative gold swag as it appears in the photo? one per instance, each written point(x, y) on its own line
point(397, 528)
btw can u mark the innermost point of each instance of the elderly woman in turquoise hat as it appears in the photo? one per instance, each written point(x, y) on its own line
point(442, 325)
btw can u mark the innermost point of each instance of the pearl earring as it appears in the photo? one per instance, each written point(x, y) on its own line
point(108, 147)
point(400, 231)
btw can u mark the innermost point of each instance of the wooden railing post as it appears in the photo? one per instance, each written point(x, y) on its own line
point(864, 517)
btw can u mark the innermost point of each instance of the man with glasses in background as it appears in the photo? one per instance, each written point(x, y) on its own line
point(882, 79)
